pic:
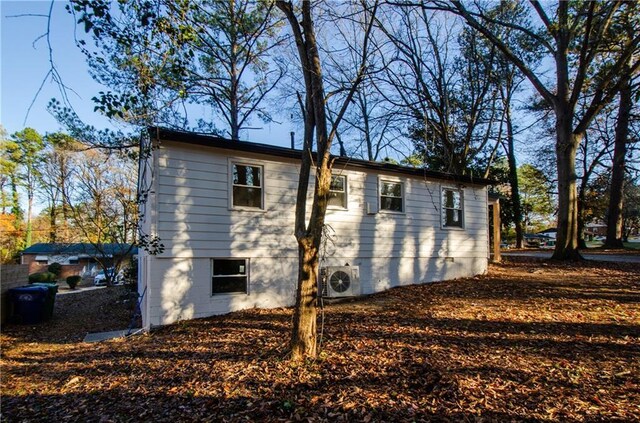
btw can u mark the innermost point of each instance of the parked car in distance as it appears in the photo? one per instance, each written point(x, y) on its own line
point(101, 278)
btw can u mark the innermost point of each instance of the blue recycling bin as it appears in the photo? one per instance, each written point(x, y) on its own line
point(28, 304)
point(52, 290)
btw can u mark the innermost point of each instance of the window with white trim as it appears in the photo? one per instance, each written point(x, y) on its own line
point(338, 192)
point(452, 208)
point(247, 186)
point(229, 276)
point(392, 196)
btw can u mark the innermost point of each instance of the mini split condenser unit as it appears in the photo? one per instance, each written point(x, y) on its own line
point(339, 281)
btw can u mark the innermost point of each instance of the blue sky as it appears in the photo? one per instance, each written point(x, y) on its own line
point(24, 66)
point(25, 63)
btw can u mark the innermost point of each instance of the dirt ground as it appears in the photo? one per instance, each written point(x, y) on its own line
point(530, 341)
point(76, 314)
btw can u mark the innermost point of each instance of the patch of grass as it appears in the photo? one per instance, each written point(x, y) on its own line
point(632, 245)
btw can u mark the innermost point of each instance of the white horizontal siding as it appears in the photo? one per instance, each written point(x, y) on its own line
point(195, 223)
point(194, 217)
point(182, 287)
point(214, 218)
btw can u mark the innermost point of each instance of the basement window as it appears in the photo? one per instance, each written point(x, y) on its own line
point(229, 276)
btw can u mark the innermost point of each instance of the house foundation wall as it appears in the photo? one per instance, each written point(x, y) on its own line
point(183, 288)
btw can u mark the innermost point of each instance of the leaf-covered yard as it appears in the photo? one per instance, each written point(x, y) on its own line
point(529, 341)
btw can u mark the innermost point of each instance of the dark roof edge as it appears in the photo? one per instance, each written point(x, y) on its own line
point(227, 144)
point(78, 248)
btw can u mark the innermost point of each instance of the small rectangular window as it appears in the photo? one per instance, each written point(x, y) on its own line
point(451, 208)
point(338, 192)
point(391, 196)
point(230, 276)
point(247, 186)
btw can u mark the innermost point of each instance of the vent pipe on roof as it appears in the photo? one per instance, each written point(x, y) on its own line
point(293, 137)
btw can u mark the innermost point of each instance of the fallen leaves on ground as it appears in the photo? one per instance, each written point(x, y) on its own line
point(530, 341)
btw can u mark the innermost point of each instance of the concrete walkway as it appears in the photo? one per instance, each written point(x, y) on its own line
point(114, 334)
point(65, 290)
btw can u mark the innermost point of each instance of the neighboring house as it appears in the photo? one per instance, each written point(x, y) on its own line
point(591, 229)
point(76, 259)
point(550, 233)
point(224, 211)
point(537, 240)
point(597, 228)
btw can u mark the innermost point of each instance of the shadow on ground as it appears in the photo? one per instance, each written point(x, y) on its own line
point(528, 342)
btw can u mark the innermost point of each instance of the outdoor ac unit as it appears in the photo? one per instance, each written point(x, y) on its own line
point(339, 281)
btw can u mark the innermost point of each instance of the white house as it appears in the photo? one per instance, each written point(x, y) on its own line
point(224, 211)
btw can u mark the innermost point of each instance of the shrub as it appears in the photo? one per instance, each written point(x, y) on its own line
point(55, 268)
point(73, 281)
point(42, 277)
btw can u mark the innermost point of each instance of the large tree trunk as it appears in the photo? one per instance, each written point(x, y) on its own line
point(616, 198)
point(513, 176)
point(303, 339)
point(566, 148)
point(569, 29)
point(303, 336)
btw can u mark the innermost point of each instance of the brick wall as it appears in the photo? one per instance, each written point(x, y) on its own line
point(11, 276)
point(67, 269)
point(33, 266)
point(70, 270)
